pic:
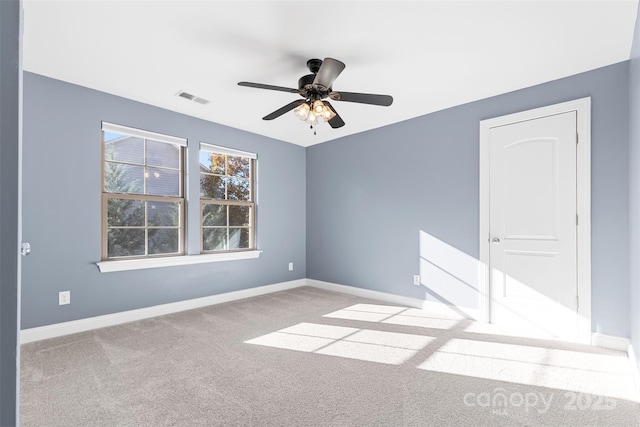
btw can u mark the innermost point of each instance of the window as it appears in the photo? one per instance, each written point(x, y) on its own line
point(227, 199)
point(143, 196)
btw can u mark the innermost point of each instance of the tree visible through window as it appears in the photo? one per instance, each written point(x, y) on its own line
point(226, 199)
point(142, 200)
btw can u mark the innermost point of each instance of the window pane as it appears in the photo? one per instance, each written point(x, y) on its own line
point(163, 214)
point(139, 166)
point(205, 162)
point(239, 215)
point(211, 162)
point(163, 154)
point(238, 166)
point(120, 178)
point(163, 240)
point(238, 238)
point(163, 182)
point(212, 186)
point(226, 177)
point(123, 148)
point(125, 242)
point(214, 239)
point(239, 189)
point(110, 136)
point(125, 213)
point(214, 215)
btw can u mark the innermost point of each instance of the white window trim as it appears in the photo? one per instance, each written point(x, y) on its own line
point(110, 127)
point(226, 150)
point(170, 261)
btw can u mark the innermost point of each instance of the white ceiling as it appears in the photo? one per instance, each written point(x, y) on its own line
point(429, 55)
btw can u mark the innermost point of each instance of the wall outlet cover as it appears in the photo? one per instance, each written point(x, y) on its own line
point(64, 297)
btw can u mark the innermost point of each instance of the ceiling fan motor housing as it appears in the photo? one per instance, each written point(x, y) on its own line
point(314, 65)
point(308, 89)
point(305, 84)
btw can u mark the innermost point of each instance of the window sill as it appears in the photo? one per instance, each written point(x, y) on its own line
point(139, 264)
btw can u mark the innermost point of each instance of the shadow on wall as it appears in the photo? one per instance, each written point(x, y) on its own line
point(450, 276)
point(456, 279)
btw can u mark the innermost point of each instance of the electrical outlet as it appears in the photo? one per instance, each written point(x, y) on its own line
point(416, 279)
point(290, 266)
point(64, 297)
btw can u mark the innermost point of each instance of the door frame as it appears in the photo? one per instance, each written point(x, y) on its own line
point(582, 107)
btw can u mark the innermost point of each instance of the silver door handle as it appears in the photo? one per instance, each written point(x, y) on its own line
point(25, 249)
point(495, 240)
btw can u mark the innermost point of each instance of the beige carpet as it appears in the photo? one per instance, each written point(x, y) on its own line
point(309, 357)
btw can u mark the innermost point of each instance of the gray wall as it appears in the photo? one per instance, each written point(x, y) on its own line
point(10, 69)
point(62, 207)
point(370, 195)
point(634, 188)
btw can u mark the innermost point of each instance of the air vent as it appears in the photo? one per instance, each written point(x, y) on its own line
point(200, 100)
point(186, 95)
point(190, 97)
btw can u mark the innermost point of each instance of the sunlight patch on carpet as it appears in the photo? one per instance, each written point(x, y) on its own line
point(583, 372)
point(395, 316)
point(352, 343)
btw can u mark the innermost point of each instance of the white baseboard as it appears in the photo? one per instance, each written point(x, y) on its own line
point(635, 369)
point(621, 344)
point(81, 325)
point(430, 306)
point(609, 341)
point(90, 323)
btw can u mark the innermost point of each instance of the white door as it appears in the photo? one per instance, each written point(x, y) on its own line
point(532, 225)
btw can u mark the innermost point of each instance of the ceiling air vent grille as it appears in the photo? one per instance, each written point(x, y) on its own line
point(186, 95)
point(190, 97)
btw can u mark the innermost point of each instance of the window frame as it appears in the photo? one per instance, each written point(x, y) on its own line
point(253, 245)
point(106, 196)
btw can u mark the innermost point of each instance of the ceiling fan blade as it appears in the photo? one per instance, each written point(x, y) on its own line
point(328, 72)
point(269, 87)
point(336, 121)
point(362, 98)
point(281, 111)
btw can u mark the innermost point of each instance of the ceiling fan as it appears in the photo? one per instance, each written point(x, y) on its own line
point(314, 88)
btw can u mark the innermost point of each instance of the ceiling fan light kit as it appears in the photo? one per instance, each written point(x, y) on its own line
point(314, 113)
point(314, 88)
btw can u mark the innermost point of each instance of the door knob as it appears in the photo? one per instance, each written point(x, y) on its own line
point(495, 240)
point(25, 249)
